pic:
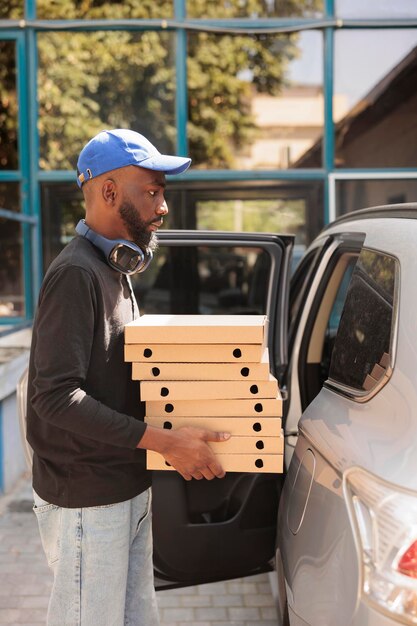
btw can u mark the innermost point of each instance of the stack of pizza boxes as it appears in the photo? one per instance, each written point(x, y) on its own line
point(210, 371)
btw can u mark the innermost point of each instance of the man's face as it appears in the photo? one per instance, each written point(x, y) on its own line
point(143, 205)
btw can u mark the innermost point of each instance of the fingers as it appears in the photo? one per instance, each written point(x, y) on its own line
point(184, 474)
point(212, 470)
point(211, 435)
point(192, 457)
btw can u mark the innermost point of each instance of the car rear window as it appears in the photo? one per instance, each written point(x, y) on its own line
point(361, 359)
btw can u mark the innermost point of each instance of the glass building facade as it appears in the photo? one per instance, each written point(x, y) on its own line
point(293, 111)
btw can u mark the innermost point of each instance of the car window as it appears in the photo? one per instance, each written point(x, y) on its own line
point(361, 358)
point(336, 312)
point(205, 279)
point(343, 272)
point(300, 283)
point(320, 330)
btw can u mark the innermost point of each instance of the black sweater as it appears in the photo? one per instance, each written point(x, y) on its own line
point(84, 415)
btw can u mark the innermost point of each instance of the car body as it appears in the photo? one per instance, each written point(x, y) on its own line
point(339, 525)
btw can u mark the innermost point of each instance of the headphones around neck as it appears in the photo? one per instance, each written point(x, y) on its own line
point(124, 256)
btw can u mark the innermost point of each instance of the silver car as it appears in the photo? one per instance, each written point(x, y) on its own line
point(343, 345)
point(347, 528)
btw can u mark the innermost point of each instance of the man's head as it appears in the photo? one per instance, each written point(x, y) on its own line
point(122, 176)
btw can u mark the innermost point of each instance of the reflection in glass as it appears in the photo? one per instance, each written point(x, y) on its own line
point(254, 8)
point(254, 102)
point(282, 216)
point(9, 196)
point(11, 279)
point(359, 194)
point(361, 356)
point(95, 80)
point(289, 208)
point(97, 9)
point(8, 107)
point(379, 129)
point(62, 208)
point(355, 9)
point(11, 9)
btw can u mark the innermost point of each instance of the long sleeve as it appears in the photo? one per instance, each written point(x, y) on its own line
point(76, 353)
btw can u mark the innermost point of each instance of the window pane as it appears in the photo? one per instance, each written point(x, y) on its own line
point(294, 208)
point(9, 196)
point(379, 129)
point(91, 81)
point(376, 8)
point(359, 194)
point(97, 9)
point(62, 208)
point(8, 107)
point(254, 8)
point(11, 9)
point(205, 279)
point(254, 102)
point(361, 354)
point(11, 279)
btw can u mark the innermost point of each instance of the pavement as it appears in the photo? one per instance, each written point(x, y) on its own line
point(25, 581)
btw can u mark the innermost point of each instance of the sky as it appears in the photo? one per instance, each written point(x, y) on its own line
point(362, 58)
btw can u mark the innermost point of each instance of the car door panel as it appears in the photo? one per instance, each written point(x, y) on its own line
point(320, 554)
point(317, 549)
point(211, 530)
point(205, 531)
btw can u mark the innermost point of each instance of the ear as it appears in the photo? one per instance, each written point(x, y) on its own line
point(109, 191)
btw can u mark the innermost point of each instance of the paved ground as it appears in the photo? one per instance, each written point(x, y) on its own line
point(25, 581)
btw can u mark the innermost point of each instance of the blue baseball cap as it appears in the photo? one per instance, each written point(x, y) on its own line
point(112, 149)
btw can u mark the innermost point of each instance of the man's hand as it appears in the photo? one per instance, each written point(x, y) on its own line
point(187, 450)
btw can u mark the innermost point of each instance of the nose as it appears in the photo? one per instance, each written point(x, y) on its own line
point(163, 208)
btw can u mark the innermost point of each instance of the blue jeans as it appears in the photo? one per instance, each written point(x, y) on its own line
point(101, 558)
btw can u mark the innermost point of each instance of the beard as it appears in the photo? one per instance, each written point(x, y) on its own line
point(137, 227)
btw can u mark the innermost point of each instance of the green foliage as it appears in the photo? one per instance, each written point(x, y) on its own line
point(275, 216)
point(223, 73)
point(88, 81)
point(96, 80)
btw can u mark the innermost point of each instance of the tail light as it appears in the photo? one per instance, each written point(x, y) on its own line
point(407, 564)
point(384, 522)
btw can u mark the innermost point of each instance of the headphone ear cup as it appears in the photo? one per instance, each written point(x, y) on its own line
point(147, 258)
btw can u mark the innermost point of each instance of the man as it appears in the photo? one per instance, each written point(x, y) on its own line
point(85, 423)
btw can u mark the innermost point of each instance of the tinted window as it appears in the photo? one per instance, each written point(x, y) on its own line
point(336, 312)
point(205, 279)
point(361, 353)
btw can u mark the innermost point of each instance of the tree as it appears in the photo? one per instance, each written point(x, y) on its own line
point(93, 80)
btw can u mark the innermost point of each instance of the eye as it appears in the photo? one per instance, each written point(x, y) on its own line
point(152, 193)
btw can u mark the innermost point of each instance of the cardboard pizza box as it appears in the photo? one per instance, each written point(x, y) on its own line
point(271, 407)
point(237, 426)
point(193, 353)
point(208, 389)
point(201, 371)
point(178, 329)
point(266, 463)
point(249, 445)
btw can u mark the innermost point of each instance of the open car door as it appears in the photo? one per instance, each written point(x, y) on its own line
point(215, 530)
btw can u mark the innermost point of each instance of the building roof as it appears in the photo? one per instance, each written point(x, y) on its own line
point(390, 92)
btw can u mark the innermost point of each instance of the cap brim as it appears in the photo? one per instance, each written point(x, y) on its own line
point(165, 163)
